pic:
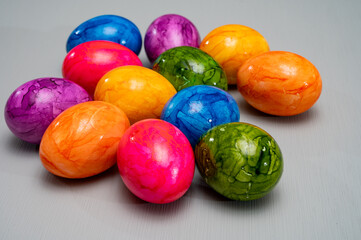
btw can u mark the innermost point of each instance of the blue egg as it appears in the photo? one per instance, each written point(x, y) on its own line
point(196, 109)
point(107, 27)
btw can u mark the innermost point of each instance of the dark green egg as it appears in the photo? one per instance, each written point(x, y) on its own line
point(239, 161)
point(189, 66)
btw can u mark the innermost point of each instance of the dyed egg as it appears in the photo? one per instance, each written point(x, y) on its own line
point(87, 63)
point(83, 140)
point(280, 83)
point(156, 161)
point(169, 31)
point(35, 104)
point(196, 109)
point(107, 27)
point(239, 161)
point(231, 45)
point(140, 92)
point(189, 66)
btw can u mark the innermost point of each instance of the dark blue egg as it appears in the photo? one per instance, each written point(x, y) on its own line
point(107, 27)
point(195, 110)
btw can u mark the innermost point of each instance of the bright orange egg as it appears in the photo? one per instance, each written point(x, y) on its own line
point(83, 140)
point(231, 45)
point(279, 83)
point(140, 92)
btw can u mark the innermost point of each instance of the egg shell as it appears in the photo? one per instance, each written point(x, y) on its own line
point(140, 92)
point(83, 140)
point(231, 45)
point(239, 160)
point(88, 62)
point(188, 66)
point(35, 104)
point(107, 27)
point(280, 83)
point(156, 161)
point(169, 31)
point(196, 109)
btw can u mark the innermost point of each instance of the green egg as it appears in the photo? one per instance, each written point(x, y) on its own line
point(189, 66)
point(239, 161)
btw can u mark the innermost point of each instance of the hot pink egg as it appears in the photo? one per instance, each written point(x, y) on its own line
point(86, 63)
point(156, 161)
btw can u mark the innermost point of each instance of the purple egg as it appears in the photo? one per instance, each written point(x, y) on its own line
point(169, 31)
point(34, 105)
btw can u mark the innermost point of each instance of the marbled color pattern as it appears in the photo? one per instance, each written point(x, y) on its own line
point(107, 27)
point(196, 109)
point(169, 31)
point(189, 66)
point(83, 140)
point(280, 83)
point(156, 161)
point(35, 104)
point(239, 161)
point(140, 92)
point(231, 45)
point(87, 63)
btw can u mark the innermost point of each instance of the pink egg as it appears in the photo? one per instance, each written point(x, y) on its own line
point(86, 63)
point(156, 161)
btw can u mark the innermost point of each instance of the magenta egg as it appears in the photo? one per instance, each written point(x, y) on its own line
point(34, 105)
point(156, 161)
point(86, 63)
point(169, 31)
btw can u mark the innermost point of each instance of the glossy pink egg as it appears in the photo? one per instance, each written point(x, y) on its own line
point(156, 161)
point(86, 63)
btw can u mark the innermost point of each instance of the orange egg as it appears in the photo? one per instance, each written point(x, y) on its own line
point(279, 83)
point(231, 45)
point(83, 140)
point(140, 92)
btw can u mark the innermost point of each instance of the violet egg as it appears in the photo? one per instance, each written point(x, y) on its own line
point(34, 105)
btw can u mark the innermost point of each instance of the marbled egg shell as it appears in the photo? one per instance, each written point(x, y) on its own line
point(35, 104)
point(156, 161)
point(140, 92)
point(107, 27)
point(189, 66)
point(88, 62)
point(169, 31)
point(231, 45)
point(83, 140)
point(280, 83)
point(239, 161)
point(196, 109)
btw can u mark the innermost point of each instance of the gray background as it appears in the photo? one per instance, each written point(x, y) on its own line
point(319, 194)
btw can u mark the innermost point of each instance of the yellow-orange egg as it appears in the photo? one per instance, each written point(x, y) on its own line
point(140, 92)
point(231, 45)
point(83, 140)
point(279, 83)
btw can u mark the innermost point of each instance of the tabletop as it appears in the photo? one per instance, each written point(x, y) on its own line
point(318, 196)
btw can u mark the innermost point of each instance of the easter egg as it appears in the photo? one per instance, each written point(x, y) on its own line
point(196, 109)
point(83, 140)
point(188, 66)
point(35, 104)
point(240, 161)
point(169, 31)
point(231, 45)
point(88, 62)
point(107, 27)
point(156, 161)
point(140, 92)
point(280, 83)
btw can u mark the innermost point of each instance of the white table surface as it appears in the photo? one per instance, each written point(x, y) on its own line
point(319, 195)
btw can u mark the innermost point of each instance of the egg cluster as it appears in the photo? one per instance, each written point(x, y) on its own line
point(158, 124)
